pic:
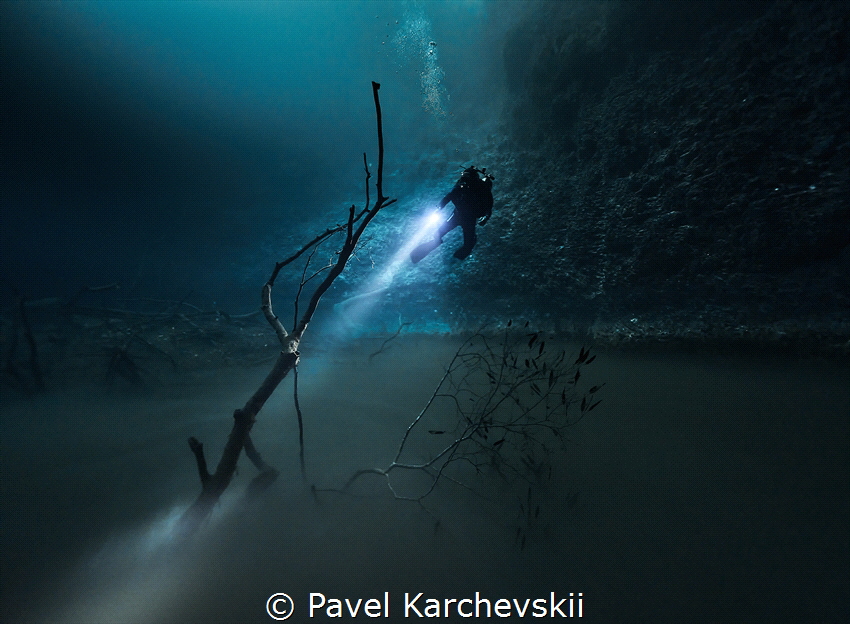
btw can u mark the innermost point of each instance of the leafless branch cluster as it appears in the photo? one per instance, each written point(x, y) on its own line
point(502, 407)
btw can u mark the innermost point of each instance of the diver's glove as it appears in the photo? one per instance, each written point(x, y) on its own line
point(483, 221)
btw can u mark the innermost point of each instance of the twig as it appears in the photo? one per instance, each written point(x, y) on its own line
point(388, 340)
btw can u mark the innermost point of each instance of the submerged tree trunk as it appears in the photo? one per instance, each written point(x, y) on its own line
point(214, 485)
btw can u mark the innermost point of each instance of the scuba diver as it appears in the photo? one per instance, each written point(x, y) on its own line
point(473, 200)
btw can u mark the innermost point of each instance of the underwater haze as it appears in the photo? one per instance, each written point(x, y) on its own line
point(176, 147)
point(629, 402)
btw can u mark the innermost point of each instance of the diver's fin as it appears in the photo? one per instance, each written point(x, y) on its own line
point(424, 249)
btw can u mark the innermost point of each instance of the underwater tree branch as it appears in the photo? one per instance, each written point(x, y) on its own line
point(511, 404)
point(383, 346)
point(305, 280)
point(351, 242)
point(300, 416)
point(213, 485)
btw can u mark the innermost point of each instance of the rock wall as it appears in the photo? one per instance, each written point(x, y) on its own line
point(671, 160)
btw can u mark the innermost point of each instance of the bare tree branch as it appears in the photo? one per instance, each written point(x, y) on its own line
point(511, 400)
point(213, 485)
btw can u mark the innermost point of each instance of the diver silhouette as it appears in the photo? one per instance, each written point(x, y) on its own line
point(473, 200)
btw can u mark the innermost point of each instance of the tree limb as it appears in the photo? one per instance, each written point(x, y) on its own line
point(213, 485)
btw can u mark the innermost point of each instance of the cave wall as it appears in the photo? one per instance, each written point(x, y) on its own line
point(670, 158)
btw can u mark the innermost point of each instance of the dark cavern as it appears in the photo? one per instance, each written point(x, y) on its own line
point(404, 309)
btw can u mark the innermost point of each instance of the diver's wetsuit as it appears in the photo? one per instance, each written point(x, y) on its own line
point(473, 200)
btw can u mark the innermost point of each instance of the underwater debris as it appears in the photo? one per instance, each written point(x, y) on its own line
point(510, 420)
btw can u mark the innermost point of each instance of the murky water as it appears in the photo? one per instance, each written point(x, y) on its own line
point(703, 488)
